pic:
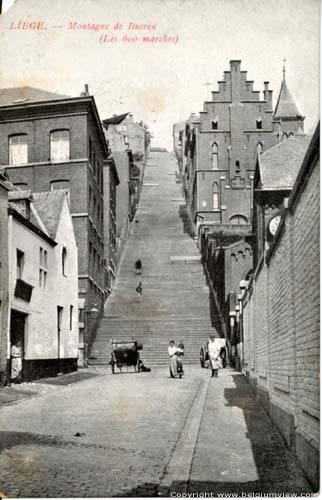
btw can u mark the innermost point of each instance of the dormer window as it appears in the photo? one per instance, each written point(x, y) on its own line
point(18, 149)
point(259, 123)
point(59, 145)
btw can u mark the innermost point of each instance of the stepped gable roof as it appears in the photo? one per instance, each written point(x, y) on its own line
point(286, 106)
point(114, 120)
point(279, 165)
point(49, 206)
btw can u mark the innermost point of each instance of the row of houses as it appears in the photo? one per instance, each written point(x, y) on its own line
point(251, 183)
point(55, 151)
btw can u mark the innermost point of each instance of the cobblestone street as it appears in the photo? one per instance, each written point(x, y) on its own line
point(144, 435)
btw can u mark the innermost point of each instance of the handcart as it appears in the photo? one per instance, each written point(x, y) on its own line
point(126, 354)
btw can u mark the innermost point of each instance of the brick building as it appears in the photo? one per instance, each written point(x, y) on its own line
point(217, 154)
point(51, 142)
point(127, 188)
point(280, 304)
point(221, 147)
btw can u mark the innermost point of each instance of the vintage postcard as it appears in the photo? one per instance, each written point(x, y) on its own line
point(159, 248)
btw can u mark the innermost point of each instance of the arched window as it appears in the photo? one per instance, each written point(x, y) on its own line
point(215, 156)
point(238, 219)
point(18, 149)
point(215, 196)
point(63, 260)
point(259, 123)
point(259, 147)
point(59, 145)
point(237, 166)
point(59, 184)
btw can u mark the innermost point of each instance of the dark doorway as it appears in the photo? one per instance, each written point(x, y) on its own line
point(17, 337)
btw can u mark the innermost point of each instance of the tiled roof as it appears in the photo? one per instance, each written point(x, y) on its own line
point(22, 95)
point(49, 206)
point(19, 194)
point(286, 106)
point(279, 165)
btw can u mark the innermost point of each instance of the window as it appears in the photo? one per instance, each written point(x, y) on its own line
point(215, 196)
point(259, 147)
point(259, 123)
point(238, 219)
point(71, 308)
point(81, 315)
point(215, 156)
point(237, 166)
point(59, 145)
point(20, 263)
point(42, 267)
point(60, 184)
point(214, 124)
point(63, 259)
point(18, 149)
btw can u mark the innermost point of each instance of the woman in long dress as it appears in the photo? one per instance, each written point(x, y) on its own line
point(173, 351)
point(16, 361)
point(214, 348)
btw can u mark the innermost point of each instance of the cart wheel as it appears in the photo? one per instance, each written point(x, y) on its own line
point(202, 358)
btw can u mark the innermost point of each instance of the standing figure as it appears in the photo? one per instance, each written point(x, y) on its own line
point(139, 290)
point(180, 354)
point(214, 348)
point(16, 361)
point(138, 266)
point(173, 352)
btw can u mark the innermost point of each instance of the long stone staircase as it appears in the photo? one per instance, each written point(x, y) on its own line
point(175, 303)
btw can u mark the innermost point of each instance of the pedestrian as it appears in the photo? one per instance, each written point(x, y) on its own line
point(180, 354)
point(138, 266)
point(139, 290)
point(173, 352)
point(16, 362)
point(214, 348)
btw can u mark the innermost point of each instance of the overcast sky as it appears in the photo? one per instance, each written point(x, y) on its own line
point(164, 82)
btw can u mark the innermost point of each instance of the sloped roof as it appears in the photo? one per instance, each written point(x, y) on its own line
point(21, 95)
point(19, 194)
point(115, 120)
point(49, 206)
point(279, 165)
point(286, 106)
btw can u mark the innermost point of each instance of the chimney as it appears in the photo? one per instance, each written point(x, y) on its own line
point(268, 96)
point(86, 92)
point(130, 117)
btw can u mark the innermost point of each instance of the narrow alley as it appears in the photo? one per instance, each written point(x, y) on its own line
point(144, 434)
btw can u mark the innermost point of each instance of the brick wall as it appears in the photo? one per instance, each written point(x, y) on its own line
point(281, 324)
